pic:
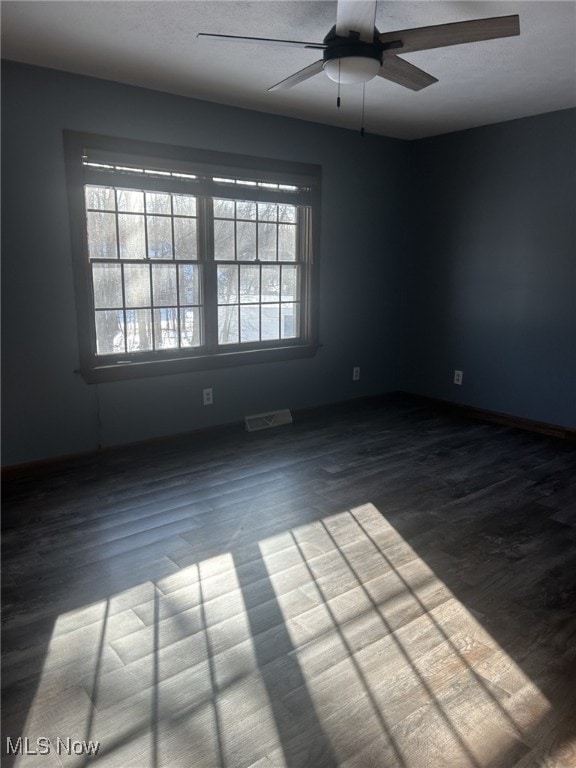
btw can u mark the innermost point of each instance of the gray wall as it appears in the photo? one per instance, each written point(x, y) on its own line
point(491, 278)
point(451, 252)
point(48, 410)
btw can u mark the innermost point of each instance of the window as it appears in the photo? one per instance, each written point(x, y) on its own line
point(187, 260)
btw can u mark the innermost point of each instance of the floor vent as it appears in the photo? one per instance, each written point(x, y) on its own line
point(268, 420)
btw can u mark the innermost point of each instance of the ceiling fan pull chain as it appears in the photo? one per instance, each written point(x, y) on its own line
point(363, 103)
point(338, 98)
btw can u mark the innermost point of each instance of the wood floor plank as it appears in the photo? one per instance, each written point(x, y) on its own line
point(378, 584)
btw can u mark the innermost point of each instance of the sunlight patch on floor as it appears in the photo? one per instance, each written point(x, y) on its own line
point(387, 631)
point(233, 662)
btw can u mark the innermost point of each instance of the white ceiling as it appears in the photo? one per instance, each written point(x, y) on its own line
point(154, 45)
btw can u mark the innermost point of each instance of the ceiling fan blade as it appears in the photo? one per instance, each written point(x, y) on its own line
point(356, 16)
point(264, 40)
point(403, 73)
point(299, 77)
point(440, 35)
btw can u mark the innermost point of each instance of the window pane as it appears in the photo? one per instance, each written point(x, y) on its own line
point(130, 200)
point(159, 237)
point(164, 291)
point(158, 202)
point(185, 241)
point(189, 281)
point(246, 241)
point(101, 198)
point(166, 328)
point(287, 213)
point(287, 242)
point(267, 242)
point(267, 211)
point(137, 285)
point(184, 205)
point(139, 330)
point(228, 325)
point(289, 325)
point(224, 209)
point(102, 236)
point(132, 239)
point(110, 332)
point(249, 284)
point(270, 321)
point(190, 331)
point(246, 210)
point(249, 323)
point(107, 280)
point(290, 286)
point(270, 283)
point(151, 297)
point(224, 240)
point(227, 284)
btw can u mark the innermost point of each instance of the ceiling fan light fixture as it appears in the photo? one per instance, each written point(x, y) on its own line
point(348, 70)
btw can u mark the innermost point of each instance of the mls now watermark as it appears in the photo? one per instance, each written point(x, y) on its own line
point(45, 746)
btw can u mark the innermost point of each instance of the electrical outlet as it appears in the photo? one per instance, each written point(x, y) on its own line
point(355, 373)
point(458, 377)
point(208, 396)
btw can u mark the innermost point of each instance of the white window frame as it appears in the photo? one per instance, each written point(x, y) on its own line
point(101, 161)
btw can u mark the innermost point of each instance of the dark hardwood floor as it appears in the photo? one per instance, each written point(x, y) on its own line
point(379, 584)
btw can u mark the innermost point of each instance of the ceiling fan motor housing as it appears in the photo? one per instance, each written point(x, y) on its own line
point(351, 60)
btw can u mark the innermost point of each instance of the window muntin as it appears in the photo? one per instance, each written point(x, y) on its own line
point(257, 270)
point(183, 262)
point(146, 279)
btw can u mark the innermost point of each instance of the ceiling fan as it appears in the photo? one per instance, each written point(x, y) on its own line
point(354, 51)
